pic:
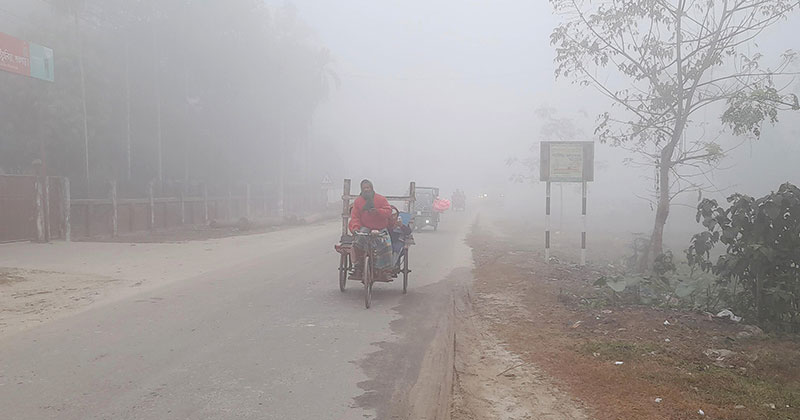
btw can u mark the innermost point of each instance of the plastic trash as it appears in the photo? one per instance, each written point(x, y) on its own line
point(727, 313)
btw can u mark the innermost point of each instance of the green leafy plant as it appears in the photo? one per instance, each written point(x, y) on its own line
point(760, 269)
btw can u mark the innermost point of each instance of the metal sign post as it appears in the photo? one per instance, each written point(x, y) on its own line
point(565, 161)
point(547, 225)
point(583, 219)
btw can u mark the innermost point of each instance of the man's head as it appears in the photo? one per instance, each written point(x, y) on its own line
point(367, 189)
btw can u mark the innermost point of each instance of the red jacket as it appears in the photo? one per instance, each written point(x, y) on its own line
point(376, 220)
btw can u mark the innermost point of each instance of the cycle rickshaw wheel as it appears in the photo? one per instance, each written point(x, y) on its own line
point(368, 273)
point(343, 272)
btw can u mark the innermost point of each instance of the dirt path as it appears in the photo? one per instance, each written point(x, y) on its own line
point(31, 297)
point(495, 383)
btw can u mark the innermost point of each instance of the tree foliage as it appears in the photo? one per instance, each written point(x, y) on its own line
point(760, 267)
point(230, 80)
point(663, 64)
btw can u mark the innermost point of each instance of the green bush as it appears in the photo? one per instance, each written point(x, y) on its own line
point(760, 269)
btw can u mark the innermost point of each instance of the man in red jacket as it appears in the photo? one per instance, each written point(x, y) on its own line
point(371, 211)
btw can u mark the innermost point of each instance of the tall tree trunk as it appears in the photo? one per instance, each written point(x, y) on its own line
point(665, 162)
point(157, 86)
point(83, 104)
point(128, 107)
point(282, 171)
point(656, 246)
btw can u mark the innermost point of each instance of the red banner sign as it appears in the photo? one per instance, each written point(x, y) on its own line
point(15, 55)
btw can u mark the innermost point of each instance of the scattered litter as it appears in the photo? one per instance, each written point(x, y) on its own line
point(667, 324)
point(511, 368)
point(718, 354)
point(310, 325)
point(607, 311)
point(750, 331)
point(619, 363)
point(701, 412)
point(658, 400)
point(739, 407)
point(772, 406)
point(667, 340)
point(596, 354)
point(577, 324)
point(727, 313)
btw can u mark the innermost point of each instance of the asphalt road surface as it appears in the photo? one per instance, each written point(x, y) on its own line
point(270, 339)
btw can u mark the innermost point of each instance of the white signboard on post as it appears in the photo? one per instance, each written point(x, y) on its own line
point(566, 161)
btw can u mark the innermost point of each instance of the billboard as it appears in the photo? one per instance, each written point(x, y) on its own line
point(14, 55)
point(42, 62)
point(566, 161)
point(26, 58)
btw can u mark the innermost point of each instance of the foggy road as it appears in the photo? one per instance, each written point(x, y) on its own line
point(270, 339)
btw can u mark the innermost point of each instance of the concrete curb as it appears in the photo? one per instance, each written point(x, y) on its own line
point(431, 396)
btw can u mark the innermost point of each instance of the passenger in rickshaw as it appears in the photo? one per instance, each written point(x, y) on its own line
point(399, 232)
point(371, 211)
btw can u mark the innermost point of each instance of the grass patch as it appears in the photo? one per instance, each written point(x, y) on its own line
point(619, 350)
point(729, 387)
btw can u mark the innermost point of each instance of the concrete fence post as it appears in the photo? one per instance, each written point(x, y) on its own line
point(183, 207)
point(230, 204)
point(46, 202)
point(89, 213)
point(114, 213)
point(40, 228)
point(265, 202)
point(66, 209)
point(247, 201)
point(205, 204)
point(131, 216)
point(152, 207)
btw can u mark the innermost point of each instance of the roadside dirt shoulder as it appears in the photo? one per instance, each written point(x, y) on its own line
point(548, 325)
point(493, 382)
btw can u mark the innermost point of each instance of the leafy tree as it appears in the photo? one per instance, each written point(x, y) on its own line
point(761, 264)
point(222, 72)
point(668, 60)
